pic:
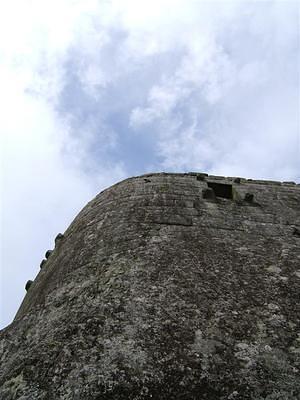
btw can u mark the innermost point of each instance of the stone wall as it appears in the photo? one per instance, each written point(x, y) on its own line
point(165, 286)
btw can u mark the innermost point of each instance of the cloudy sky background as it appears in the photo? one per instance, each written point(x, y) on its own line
point(94, 91)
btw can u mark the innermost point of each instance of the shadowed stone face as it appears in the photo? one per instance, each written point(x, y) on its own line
point(156, 292)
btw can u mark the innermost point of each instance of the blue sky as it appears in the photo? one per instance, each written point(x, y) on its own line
point(95, 91)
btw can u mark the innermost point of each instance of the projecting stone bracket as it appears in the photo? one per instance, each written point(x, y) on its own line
point(48, 253)
point(58, 239)
point(28, 284)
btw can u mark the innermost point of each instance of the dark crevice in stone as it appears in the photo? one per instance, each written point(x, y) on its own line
point(296, 232)
point(221, 189)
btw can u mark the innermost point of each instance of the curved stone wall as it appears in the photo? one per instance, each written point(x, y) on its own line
point(165, 286)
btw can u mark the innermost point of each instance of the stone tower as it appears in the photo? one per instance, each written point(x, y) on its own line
point(165, 286)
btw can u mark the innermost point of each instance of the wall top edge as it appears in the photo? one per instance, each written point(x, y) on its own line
point(205, 176)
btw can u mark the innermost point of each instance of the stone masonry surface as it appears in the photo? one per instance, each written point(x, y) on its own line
point(165, 286)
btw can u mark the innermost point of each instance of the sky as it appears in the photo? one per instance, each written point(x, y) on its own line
point(95, 91)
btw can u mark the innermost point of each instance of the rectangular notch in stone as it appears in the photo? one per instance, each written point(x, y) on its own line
point(221, 189)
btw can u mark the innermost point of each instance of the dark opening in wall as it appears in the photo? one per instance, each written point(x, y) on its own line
point(221, 189)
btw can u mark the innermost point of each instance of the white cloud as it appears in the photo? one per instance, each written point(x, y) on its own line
point(239, 84)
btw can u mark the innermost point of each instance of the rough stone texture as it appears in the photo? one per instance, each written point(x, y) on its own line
point(155, 292)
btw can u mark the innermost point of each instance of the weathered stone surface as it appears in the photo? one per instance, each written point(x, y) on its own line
point(155, 292)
